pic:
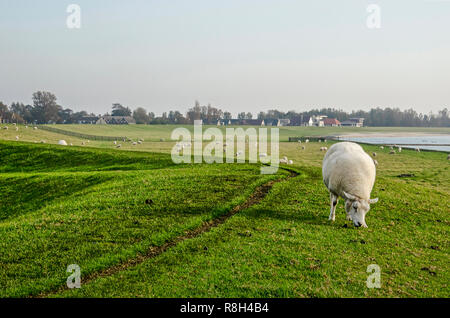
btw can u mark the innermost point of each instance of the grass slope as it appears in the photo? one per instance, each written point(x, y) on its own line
point(94, 218)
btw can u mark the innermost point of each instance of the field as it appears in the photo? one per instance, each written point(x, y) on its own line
point(139, 225)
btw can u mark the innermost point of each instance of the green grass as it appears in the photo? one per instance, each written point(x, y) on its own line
point(158, 132)
point(87, 206)
point(96, 218)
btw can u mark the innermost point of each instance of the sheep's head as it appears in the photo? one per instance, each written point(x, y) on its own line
point(357, 208)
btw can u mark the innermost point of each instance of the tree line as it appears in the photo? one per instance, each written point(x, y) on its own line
point(45, 109)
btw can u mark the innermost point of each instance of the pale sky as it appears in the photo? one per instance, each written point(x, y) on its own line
point(240, 55)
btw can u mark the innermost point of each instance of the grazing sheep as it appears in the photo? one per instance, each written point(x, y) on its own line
point(399, 149)
point(392, 152)
point(83, 143)
point(374, 154)
point(115, 142)
point(375, 162)
point(391, 147)
point(118, 146)
point(418, 149)
point(323, 148)
point(307, 140)
point(381, 147)
point(6, 127)
point(303, 147)
point(349, 172)
point(17, 137)
point(291, 162)
point(134, 143)
point(139, 142)
point(299, 141)
point(42, 141)
point(283, 161)
point(320, 140)
point(162, 139)
point(35, 128)
point(448, 157)
point(26, 127)
point(71, 144)
point(17, 128)
point(62, 143)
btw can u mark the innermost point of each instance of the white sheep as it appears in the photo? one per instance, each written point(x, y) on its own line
point(374, 154)
point(448, 157)
point(17, 128)
point(62, 143)
point(291, 162)
point(17, 138)
point(118, 146)
point(418, 149)
point(382, 147)
point(392, 152)
point(307, 140)
point(115, 142)
point(399, 149)
point(349, 172)
point(35, 128)
point(323, 148)
point(134, 143)
point(303, 147)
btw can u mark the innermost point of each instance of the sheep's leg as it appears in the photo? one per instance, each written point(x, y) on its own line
point(333, 203)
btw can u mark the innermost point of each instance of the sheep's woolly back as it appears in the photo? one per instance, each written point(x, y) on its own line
point(346, 167)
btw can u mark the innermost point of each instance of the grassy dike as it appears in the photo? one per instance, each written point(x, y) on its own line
point(99, 207)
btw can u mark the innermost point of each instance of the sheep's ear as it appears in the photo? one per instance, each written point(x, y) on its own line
point(349, 196)
point(373, 200)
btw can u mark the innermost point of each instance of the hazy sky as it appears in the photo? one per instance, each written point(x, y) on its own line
point(241, 55)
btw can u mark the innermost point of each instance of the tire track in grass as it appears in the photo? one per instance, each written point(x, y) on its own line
point(255, 198)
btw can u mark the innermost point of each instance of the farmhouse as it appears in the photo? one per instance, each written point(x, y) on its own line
point(331, 122)
point(353, 122)
point(116, 120)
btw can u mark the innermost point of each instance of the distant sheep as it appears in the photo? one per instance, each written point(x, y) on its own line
point(349, 172)
point(118, 146)
point(399, 149)
point(17, 128)
point(291, 162)
point(35, 128)
point(134, 143)
point(382, 147)
point(323, 148)
point(392, 152)
point(62, 143)
point(303, 147)
point(448, 157)
point(17, 137)
point(6, 127)
point(307, 140)
point(418, 149)
point(374, 154)
point(375, 162)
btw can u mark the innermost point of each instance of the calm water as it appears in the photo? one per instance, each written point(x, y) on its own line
point(441, 139)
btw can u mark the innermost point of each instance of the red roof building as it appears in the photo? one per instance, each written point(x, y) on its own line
point(331, 122)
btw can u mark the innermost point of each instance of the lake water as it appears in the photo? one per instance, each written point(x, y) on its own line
point(420, 141)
